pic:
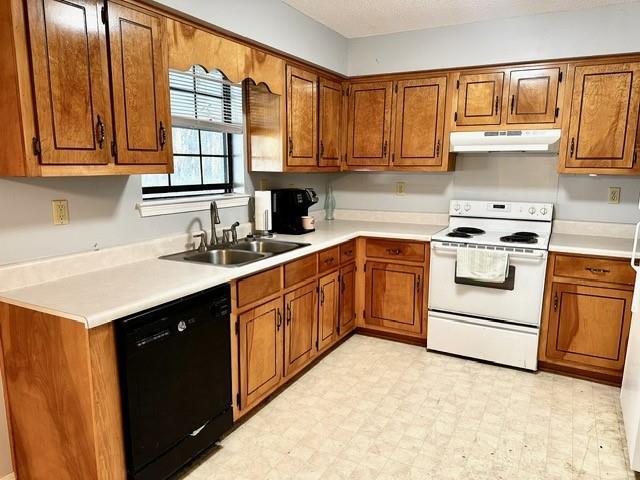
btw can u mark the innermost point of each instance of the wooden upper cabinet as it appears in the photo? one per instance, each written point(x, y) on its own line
point(301, 328)
point(302, 113)
point(330, 123)
point(329, 290)
point(589, 325)
point(603, 120)
point(533, 95)
point(140, 86)
point(393, 296)
point(260, 351)
point(70, 79)
point(369, 124)
point(419, 126)
point(479, 98)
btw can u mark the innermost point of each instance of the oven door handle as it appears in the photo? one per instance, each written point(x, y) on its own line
point(527, 256)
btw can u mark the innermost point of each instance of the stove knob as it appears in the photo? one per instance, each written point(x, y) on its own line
point(456, 206)
point(532, 210)
point(543, 211)
point(467, 207)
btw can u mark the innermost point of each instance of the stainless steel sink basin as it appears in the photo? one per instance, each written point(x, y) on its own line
point(245, 251)
point(267, 246)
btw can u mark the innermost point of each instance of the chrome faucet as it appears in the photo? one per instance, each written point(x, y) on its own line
point(203, 241)
point(234, 234)
point(215, 220)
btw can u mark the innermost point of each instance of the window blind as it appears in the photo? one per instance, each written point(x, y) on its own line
point(205, 101)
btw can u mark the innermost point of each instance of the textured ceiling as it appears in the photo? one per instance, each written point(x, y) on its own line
point(361, 18)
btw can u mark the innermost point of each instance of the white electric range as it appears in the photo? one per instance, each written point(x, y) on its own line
point(496, 322)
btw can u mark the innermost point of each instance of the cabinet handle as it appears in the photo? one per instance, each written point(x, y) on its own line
point(496, 105)
point(572, 147)
point(438, 149)
point(513, 102)
point(343, 286)
point(290, 146)
point(321, 149)
point(555, 302)
point(163, 136)
point(384, 149)
point(329, 260)
point(322, 296)
point(100, 132)
point(394, 251)
point(288, 313)
point(597, 270)
point(279, 323)
point(419, 282)
point(348, 253)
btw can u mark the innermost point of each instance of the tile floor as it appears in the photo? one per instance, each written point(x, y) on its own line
point(375, 409)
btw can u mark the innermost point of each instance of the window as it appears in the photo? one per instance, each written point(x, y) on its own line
point(206, 112)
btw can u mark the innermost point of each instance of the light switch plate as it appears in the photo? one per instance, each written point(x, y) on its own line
point(614, 195)
point(60, 212)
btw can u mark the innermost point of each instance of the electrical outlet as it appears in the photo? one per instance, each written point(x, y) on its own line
point(400, 188)
point(60, 212)
point(614, 195)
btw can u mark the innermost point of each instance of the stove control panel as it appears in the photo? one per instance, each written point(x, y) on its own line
point(511, 210)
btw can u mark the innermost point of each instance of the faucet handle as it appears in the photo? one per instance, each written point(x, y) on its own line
point(203, 240)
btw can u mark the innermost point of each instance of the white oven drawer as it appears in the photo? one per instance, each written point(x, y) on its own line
point(505, 344)
point(521, 304)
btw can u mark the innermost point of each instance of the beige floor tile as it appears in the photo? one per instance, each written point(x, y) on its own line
point(375, 410)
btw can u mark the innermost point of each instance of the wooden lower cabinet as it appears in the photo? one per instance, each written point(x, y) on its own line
point(329, 292)
point(300, 333)
point(347, 303)
point(260, 351)
point(585, 326)
point(394, 297)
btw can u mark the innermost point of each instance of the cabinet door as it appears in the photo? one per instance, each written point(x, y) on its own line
point(347, 314)
point(369, 124)
point(330, 115)
point(301, 330)
point(393, 296)
point(604, 116)
point(479, 99)
point(533, 95)
point(71, 83)
point(329, 291)
point(302, 111)
point(260, 350)
point(140, 77)
point(420, 122)
point(589, 325)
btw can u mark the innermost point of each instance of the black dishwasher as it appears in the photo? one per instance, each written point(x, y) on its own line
point(175, 377)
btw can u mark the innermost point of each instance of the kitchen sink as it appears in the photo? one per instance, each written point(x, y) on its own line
point(247, 250)
point(267, 246)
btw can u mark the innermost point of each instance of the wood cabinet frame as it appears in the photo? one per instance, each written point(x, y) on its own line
point(561, 359)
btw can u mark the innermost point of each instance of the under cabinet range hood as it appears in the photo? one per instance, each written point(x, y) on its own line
point(532, 141)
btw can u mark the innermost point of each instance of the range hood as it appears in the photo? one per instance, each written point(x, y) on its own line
point(534, 141)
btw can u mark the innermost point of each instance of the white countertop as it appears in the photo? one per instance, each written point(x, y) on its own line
point(105, 295)
point(591, 245)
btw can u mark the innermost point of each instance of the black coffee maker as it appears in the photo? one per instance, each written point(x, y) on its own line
point(288, 206)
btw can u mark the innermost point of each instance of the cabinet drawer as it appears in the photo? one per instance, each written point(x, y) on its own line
point(409, 251)
point(258, 286)
point(329, 258)
point(299, 270)
point(595, 269)
point(348, 251)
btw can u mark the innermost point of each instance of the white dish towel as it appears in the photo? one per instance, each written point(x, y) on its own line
point(482, 265)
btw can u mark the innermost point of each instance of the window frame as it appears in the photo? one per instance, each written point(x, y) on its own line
point(202, 188)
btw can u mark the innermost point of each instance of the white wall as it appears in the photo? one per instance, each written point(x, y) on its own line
point(612, 29)
point(273, 23)
point(493, 177)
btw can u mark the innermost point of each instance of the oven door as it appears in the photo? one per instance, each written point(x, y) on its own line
point(518, 300)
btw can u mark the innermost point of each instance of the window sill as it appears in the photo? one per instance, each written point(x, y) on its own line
point(152, 208)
